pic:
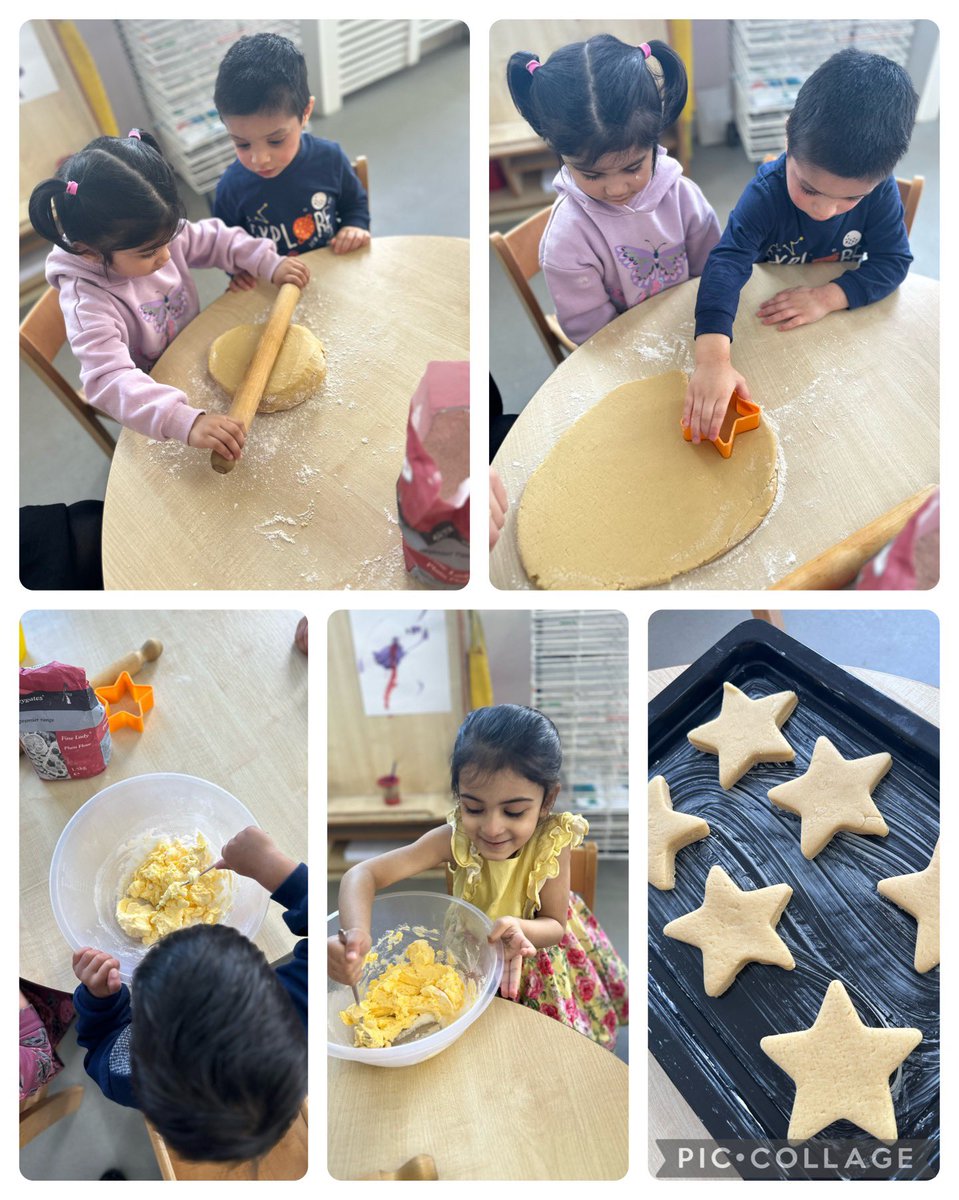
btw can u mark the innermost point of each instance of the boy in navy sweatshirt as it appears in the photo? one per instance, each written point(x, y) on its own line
point(830, 198)
point(210, 1042)
point(286, 184)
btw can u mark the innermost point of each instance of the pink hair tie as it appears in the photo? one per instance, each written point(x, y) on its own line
point(645, 49)
point(134, 133)
point(71, 187)
point(532, 65)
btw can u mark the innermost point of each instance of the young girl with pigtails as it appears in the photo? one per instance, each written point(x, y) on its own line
point(122, 268)
point(626, 224)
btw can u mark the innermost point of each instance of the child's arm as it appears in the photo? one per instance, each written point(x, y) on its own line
point(358, 889)
point(103, 1017)
point(582, 303)
point(521, 938)
point(701, 230)
point(352, 210)
point(210, 243)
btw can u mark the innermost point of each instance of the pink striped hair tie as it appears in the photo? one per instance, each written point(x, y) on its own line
point(645, 49)
point(135, 133)
point(72, 187)
point(532, 65)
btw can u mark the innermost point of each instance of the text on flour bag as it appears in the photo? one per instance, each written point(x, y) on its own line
point(63, 726)
point(433, 490)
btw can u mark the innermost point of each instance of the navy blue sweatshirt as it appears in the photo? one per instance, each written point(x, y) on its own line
point(103, 1025)
point(765, 226)
point(304, 206)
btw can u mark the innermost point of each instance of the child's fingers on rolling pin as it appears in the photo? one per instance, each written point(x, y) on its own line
point(292, 270)
point(217, 431)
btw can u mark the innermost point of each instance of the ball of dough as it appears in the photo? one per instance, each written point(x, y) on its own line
point(297, 373)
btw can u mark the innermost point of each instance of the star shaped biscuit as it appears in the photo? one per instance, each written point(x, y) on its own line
point(733, 928)
point(835, 794)
point(746, 732)
point(669, 832)
point(841, 1068)
point(918, 894)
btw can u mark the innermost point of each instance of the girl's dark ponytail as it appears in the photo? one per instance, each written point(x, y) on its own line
point(519, 78)
point(674, 85)
point(48, 201)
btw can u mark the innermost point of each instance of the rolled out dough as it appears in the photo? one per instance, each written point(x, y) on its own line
point(622, 501)
point(297, 373)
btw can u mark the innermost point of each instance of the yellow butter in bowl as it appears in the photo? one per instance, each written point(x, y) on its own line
point(166, 892)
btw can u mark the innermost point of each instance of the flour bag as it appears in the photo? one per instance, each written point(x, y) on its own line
point(433, 490)
point(63, 726)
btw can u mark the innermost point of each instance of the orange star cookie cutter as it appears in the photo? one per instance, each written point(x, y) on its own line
point(140, 694)
point(741, 416)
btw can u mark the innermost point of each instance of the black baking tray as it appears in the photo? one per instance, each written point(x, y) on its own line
point(836, 924)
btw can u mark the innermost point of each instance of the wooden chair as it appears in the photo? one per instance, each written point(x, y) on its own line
point(361, 166)
point(42, 335)
point(518, 250)
point(583, 863)
point(47, 1110)
point(287, 1159)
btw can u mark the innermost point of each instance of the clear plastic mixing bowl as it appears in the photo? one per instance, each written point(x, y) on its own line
point(444, 922)
point(106, 840)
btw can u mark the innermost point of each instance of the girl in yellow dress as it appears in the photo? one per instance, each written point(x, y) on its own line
point(508, 853)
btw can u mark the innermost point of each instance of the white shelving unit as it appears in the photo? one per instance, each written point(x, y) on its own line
point(579, 670)
point(771, 60)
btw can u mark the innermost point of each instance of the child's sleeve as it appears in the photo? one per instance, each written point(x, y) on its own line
point(352, 207)
point(224, 204)
point(700, 225)
point(111, 381)
point(210, 243)
point(574, 276)
point(292, 894)
point(888, 255)
point(730, 263)
point(103, 1029)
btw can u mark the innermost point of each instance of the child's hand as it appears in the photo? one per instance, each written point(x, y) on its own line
point(498, 504)
point(217, 431)
point(710, 389)
point(350, 238)
point(797, 306)
point(292, 270)
point(516, 947)
point(242, 281)
point(345, 961)
point(97, 971)
point(253, 853)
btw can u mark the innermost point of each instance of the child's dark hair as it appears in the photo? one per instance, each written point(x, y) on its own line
point(854, 116)
point(507, 737)
point(262, 73)
point(599, 97)
point(217, 1052)
point(114, 194)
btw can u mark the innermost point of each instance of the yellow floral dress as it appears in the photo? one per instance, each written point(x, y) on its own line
point(581, 982)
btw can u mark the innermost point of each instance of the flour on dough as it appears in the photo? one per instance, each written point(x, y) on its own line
point(622, 501)
point(298, 371)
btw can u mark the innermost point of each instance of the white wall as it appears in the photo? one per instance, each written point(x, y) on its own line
point(508, 648)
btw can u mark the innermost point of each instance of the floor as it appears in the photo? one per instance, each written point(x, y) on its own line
point(611, 909)
point(414, 189)
point(520, 365)
point(902, 643)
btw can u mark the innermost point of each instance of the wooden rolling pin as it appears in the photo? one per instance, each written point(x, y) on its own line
point(131, 663)
point(248, 395)
point(840, 564)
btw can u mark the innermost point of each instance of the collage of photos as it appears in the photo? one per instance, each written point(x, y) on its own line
point(250, 344)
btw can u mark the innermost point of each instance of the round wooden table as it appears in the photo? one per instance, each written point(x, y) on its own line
point(230, 696)
point(854, 401)
point(517, 1097)
point(669, 1114)
point(312, 503)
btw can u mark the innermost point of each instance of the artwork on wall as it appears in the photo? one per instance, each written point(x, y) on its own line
point(402, 661)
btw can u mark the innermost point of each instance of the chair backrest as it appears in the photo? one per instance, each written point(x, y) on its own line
point(361, 166)
point(583, 864)
point(47, 1110)
point(910, 191)
point(518, 251)
point(42, 334)
point(287, 1159)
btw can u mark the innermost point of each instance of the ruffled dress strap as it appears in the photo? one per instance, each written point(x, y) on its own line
point(558, 832)
point(466, 859)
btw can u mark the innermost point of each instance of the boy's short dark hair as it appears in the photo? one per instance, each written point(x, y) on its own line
point(262, 73)
point(853, 116)
point(217, 1052)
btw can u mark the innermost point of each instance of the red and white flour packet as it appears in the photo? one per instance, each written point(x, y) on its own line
point(433, 490)
point(63, 726)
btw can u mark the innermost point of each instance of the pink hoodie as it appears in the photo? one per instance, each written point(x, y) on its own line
point(119, 327)
point(601, 259)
